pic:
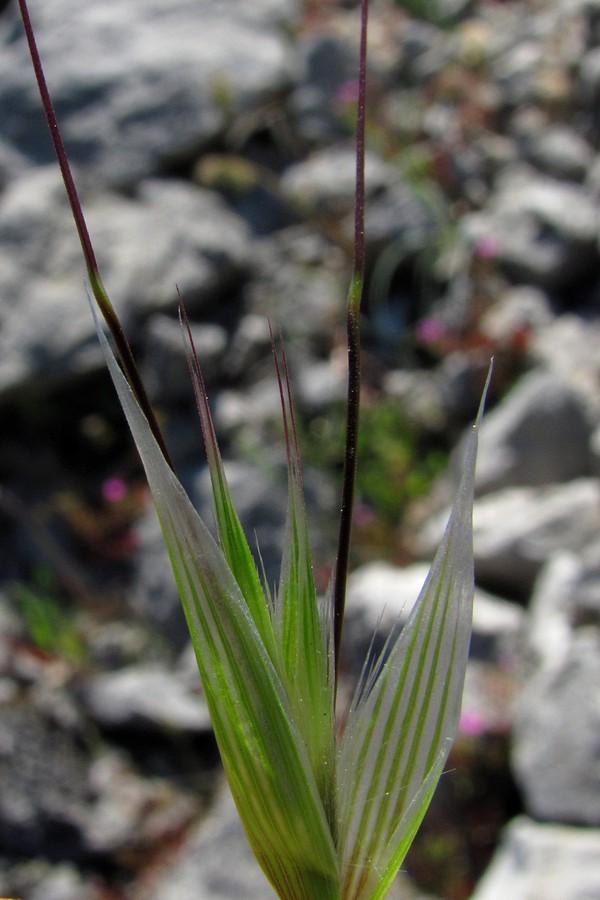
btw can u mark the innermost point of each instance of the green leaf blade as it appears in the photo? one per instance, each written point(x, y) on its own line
point(264, 756)
point(231, 534)
point(304, 635)
point(404, 716)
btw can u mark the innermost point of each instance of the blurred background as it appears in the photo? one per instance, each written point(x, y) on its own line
point(212, 141)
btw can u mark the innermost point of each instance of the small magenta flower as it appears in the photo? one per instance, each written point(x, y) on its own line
point(487, 247)
point(430, 330)
point(472, 723)
point(113, 490)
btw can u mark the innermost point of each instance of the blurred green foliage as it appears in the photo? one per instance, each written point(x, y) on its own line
point(395, 464)
point(49, 625)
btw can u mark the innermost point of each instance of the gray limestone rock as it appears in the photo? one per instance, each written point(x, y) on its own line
point(140, 85)
point(153, 596)
point(397, 220)
point(552, 610)
point(237, 410)
point(589, 76)
point(38, 879)
point(321, 387)
point(568, 346)
point(249, 345)
point(545, 231)
point(214, 863)
point(522, 309)
point(130, 812)
point(539, 434)
point(43, 786)
point(300, 285)
point(543, 862)
point(556, 756)
point(565, 598)
point(560, 151)
point(381, 596)
point(169, 234)
point(144, 698)
point(327, 66)
point(517, 529)
point(168, 377)
point(324, 183)
point(586, 593)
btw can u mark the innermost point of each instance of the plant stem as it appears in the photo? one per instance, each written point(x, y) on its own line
point(98, 290)
point(354, 367)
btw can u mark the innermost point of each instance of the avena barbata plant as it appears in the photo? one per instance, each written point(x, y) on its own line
point(329, 813)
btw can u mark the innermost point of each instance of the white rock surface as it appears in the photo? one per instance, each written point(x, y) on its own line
point(171, 234)
point(543, 862)
point(568, 346)
point(325, 182)
point(145, 698)
point(516, 530)
point(138, 84)
point(545, 230)
point(556, 752)
point(215, 862)
point(381, 596)
point(550, 616)
point(539, 434)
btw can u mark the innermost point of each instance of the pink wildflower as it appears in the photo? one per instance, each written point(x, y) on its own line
point(114, 489)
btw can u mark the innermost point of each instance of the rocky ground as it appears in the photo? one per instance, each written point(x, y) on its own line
point(212, 140)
